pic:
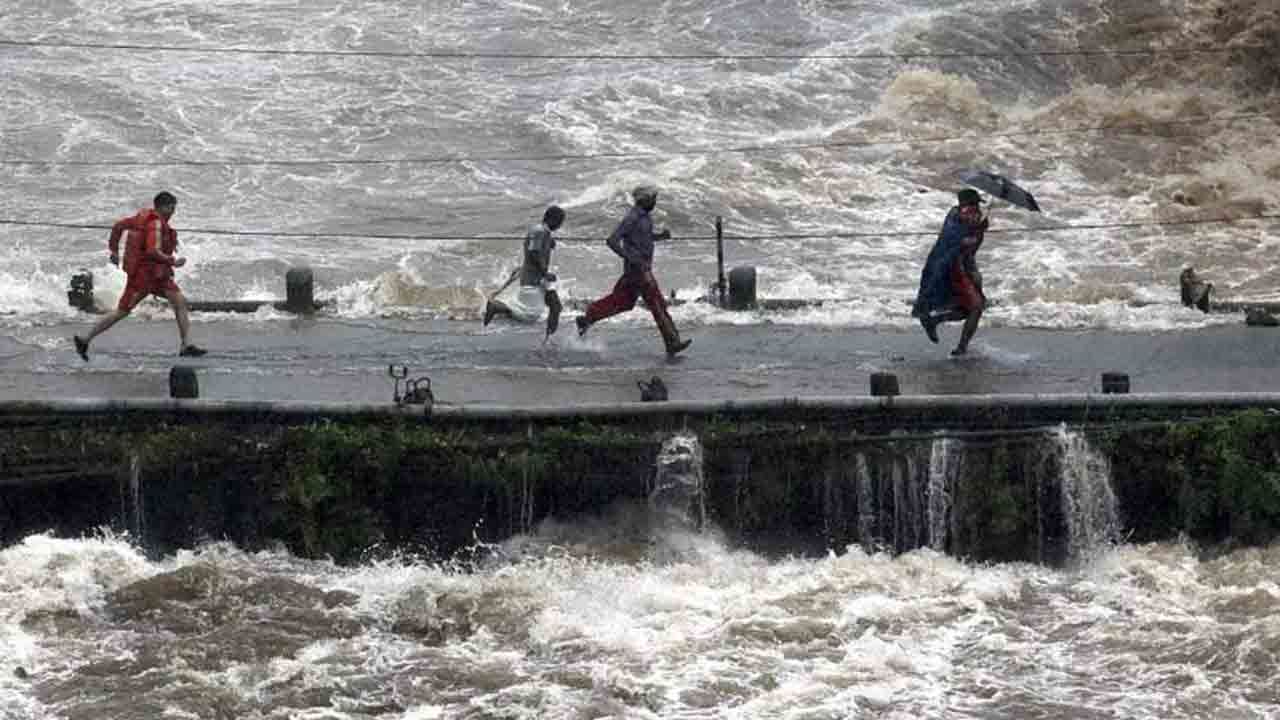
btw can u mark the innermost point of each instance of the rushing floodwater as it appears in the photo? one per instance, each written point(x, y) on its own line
point(1137, 632)
point(568, 624)
point(637, 614)
point(889, 169)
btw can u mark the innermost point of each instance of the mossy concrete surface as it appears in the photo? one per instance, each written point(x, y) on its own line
point(353, 487)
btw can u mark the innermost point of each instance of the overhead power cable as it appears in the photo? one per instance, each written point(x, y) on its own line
point(614, 57)
point(1129, 128)
point(833, 235)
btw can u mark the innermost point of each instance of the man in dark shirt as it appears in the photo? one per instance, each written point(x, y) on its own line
point(535, 271)
point(633, 241)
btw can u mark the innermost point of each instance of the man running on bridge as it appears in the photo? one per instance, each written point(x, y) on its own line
point(633, 241)
point(149, 259)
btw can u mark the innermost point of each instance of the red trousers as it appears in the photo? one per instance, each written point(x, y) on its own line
point(964, 292)
point(146, 279)
point(629, 288)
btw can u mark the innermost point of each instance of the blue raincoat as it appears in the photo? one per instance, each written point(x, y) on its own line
point(935, 279)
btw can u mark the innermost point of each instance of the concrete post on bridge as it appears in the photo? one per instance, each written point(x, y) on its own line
point(299, 288)
point(884, 384)
point(80, 293)
point(183, 384)
point(1115, 383)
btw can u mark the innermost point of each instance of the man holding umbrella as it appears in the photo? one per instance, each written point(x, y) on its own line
point(950, 285)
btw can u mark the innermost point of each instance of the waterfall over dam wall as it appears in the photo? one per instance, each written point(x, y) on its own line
point(1003, 484)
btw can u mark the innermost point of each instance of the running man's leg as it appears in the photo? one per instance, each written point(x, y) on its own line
point(967, 332)
point(621, 299)
point(552, 300)
point(657, 305)
point(134, 292)
point(494, 308)
point(969, 300)
point(104, 324)
point(182, 315)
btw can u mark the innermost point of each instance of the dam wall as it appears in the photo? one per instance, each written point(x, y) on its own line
point(1034, 478)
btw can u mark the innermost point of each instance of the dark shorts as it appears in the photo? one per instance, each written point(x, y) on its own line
point(964, 293)
point(143, 282)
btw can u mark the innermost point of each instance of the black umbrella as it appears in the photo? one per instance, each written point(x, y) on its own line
point(1001, 187)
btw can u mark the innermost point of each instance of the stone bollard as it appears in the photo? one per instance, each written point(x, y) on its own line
point(1195, 292)
point(1256, 317)
point(1115, 383)
point(884, 384)
point(742, 288)
point(80, 294)
point(299, 288)
point(182, 383)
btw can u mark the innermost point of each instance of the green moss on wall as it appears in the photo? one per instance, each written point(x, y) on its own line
point(342, 488)
point(1214, 480)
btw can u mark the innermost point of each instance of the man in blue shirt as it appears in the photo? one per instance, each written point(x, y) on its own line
point(633, 241)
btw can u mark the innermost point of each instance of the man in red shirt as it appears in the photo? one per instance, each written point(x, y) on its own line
point(149, 259)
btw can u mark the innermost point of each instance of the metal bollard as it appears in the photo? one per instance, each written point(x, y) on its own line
point(884, 384)
point(722, 284)
point(183, 384)
point(416, 391)
point(1115, 383)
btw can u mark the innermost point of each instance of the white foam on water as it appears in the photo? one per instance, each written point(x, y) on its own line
point(561, 632)
point(424, 712)
point(47, 576)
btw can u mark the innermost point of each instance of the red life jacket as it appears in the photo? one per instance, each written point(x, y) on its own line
point(137, 252)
